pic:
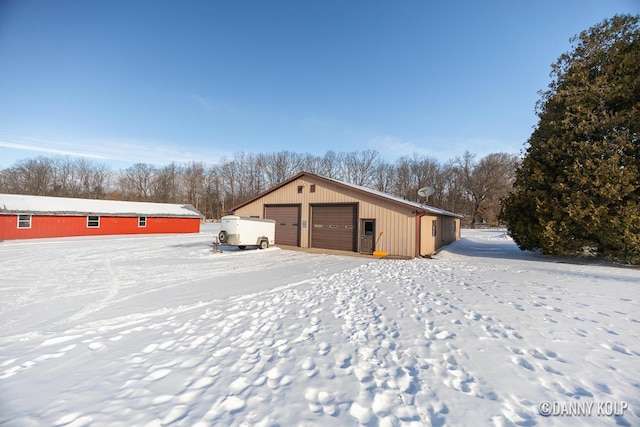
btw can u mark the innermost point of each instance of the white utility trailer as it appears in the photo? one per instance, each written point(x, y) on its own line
point(242, 231)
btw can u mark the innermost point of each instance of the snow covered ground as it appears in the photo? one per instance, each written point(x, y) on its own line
point(160, 330)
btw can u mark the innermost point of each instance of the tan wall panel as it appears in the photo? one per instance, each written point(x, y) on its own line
point(427, 240)
point(450, 230)
point(398, 224)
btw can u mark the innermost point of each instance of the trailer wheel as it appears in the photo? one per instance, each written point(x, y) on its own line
point(222, 236)
point(264, 244)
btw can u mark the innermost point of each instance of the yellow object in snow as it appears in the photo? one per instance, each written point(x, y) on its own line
point(379, 254)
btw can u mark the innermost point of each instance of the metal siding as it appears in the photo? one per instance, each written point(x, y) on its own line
point(398, 224)
point(427, 240)
point(43, 226)
point(448, 231)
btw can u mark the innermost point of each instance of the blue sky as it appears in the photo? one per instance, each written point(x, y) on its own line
point(121, 82)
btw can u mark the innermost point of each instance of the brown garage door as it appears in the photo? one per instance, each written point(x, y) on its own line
point(334, 227)
point(287, 223)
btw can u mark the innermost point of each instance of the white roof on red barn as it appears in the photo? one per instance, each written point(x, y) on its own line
point(12, 204)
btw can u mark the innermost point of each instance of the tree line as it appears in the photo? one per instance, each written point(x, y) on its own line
point(465, 185)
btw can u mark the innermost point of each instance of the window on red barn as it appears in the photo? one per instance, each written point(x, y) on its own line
point(93, 221)
point(24, 221)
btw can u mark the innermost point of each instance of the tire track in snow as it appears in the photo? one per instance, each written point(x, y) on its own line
point(114, 288)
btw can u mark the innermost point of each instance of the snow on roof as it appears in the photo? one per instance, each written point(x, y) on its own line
point(21, 204)
point(417, 205)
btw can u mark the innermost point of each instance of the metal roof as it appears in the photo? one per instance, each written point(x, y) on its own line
point(415, 205)
point(12, 204)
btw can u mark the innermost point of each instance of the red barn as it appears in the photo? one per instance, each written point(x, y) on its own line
point(28, 217)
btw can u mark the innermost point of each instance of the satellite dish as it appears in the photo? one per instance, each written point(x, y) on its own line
point(425, 192)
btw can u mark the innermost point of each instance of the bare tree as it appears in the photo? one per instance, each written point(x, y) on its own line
point(428, 173)
point(92, 179)
point(454, 198)
point(32, 176)
point(57, 176)
point(413, 173)
point(193, 179)
point(485, 183)
point(463, 185)
point(331, 165)
point(65, 183)
point(240, 178)
point(255, 176)
point(136, 182)
point(281, 166)
point(358, 167)
point(167, 184)
point(231, 181)
point(311, 164)
point(214, 190)
point(384, 178)
point(498, 171)
point(9, 181)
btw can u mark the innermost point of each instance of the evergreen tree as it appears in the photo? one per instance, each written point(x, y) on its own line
point(578, 186)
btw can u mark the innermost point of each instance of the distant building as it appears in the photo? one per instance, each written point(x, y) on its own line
point(312, 211)
point(28, 217)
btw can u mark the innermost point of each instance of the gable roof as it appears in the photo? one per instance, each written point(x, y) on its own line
point(418, 207)
point(12, 204)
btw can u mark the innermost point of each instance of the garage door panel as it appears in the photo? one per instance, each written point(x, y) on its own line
point(334, 227)
point(287, 219)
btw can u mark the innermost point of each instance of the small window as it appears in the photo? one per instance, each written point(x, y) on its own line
point(317, 225)
point(349, 227)
point(312, 188)
point(24, 221)
point(333, 226)
point(433, 227)
point(300, 187)
point(93, 221)
point(368, 228)
point(142, 221)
